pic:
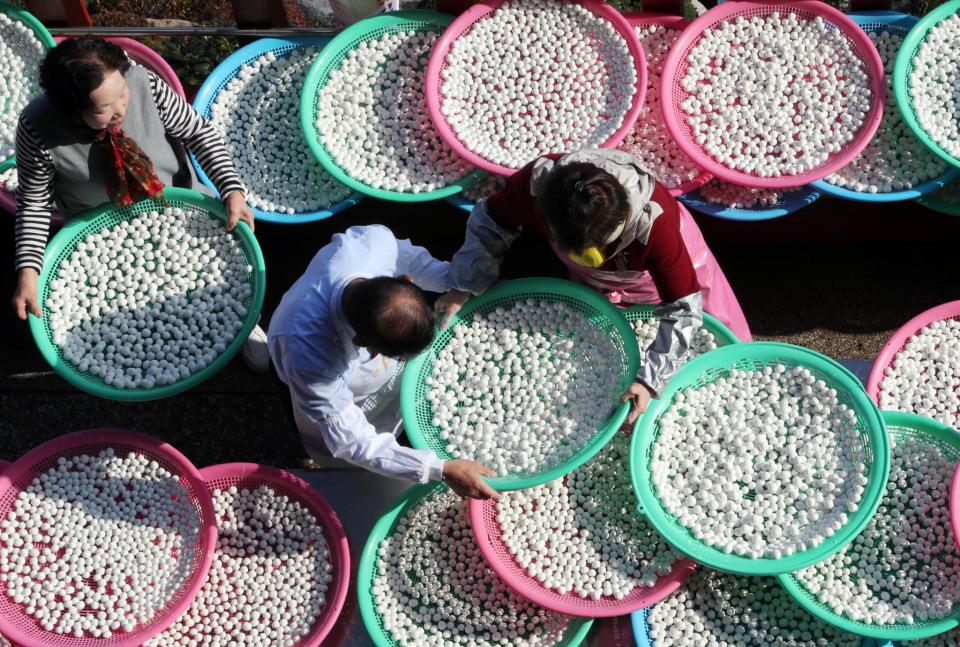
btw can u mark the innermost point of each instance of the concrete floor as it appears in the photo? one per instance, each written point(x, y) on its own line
point(838, 278)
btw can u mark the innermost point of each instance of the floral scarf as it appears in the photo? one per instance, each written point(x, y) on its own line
point(133, 177)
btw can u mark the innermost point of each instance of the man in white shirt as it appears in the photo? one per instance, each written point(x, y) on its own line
point(336, 339)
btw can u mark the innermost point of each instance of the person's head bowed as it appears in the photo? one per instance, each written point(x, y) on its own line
point(390, 316)
point(586, 209)
point(84, 78)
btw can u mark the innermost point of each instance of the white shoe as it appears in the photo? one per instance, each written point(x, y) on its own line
point(255, 351)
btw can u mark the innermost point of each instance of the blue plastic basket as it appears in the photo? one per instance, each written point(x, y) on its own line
point(641, 632)
point(900, 24)
point(456, 200)
point(222, 75)
point(792, 202)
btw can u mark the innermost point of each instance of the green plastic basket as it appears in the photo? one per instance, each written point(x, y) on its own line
point(417, 413)
point(107, 215)
point(576, 632)
point(935, 201)
point(899, 425)
point(646, 311)
point(22, 15)
point(330, 59)
point(749, 356)
point(904, 66)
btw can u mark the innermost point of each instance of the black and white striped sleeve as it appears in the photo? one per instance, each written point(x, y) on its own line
point(183, 122)
point(34, 197)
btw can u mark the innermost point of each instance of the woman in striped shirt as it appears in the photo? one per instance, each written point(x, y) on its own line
point(102, 131)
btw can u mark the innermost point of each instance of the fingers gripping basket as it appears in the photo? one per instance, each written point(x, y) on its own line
point(330, 59)
point(251, 476)
point(23, 629)
point(107, 216)
point(904, 69)
point(367, 572)
point(477, 12)
point(417, 412)
point(751, 356)
point(673, 94)
point(898, 24)
point(900, 426)
point(225, 72)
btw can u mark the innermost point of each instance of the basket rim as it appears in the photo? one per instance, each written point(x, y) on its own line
point(577, 629)
point(898, 340)
point(529, 588)
point(905, 22)
point(934, 202)
point(560, 287)
point(728, 10)
point(643, 437)
point(207, 94)
point(720, 331)
point(799, 593)
point(327, 518)
point(477, 11)
point(67, 236)
point(806, 196)
point(43, 35)
point(677, 23)
point(339, 45)
point(61, 445)
point(903, 66)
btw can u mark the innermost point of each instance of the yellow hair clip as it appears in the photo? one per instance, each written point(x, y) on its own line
point(588, 257)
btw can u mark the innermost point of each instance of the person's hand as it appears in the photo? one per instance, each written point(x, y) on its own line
point(449, 304)
point(237, 210)
point(466, 479)
point(25, 299)
point(639, 396)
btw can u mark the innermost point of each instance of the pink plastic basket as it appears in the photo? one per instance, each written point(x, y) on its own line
point(24, 630)
point(142, 55)
point(955, 504)
point(680, 23)
point(949, 310)
point(673, 95)
point(475, 13)
point(486, 530)
point(252, 475)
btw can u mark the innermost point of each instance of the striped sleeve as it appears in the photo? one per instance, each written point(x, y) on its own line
point(183, 122)
point(34, 197)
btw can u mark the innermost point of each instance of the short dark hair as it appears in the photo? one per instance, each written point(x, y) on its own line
point(76, 67)
point(399, 321)
point(583, 205)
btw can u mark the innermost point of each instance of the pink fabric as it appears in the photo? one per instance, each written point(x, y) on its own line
point(638, 287)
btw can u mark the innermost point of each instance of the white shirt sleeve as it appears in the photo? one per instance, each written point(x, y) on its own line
point(427, 272)
point(326, 413)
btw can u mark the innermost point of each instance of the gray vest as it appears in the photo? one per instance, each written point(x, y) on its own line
point(81, 164)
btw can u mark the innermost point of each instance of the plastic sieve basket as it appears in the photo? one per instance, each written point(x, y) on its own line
point(251, 476)
point(900, 426)
point(646, 311)
point(949, 310)
point(225, 72)
point(673, 95)
point(751, 356)
point(329, 60)
point(416, 410)
point(107, 215)
point(678, 23)
point(487, 532)
point(904, 68)
point(367, 570)
point(790, 203)
point(899, 24)
point(23, 629)
point(476, 13)
point(18, 14)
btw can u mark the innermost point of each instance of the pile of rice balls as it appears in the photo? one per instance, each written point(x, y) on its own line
point(21, 53)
